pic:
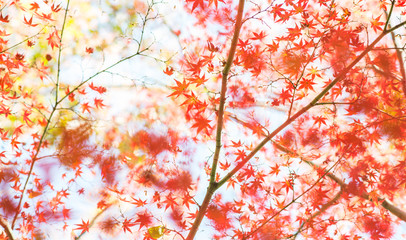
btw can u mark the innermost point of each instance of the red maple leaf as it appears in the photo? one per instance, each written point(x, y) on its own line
point(53, 39)
point(180, 88)
point(34, 6)
point(144, 219)
point(99, 103)
point(99, 89)
point(196, 3)
point(29, 22)
point(202, 123)
point(86, 108)
point(4, 19)
point(168, 71)
point(84, 226)
point(319, 120)
point(127, 224)
point(376, 25)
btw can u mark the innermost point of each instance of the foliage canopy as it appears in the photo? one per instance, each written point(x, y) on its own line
point(200, 119)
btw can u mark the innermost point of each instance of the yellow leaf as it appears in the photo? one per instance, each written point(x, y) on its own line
point(156, 232)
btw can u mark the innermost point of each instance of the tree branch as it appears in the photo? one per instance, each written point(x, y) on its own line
point(388, 205)
point(6, 227)
point(213, 184)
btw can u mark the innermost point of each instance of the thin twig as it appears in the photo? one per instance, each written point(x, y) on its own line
point(388, 205)
point(42, 136)
point(324, 208)
point(23, 41)
point(294, 200)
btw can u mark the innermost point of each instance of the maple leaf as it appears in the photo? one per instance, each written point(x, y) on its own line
point(306, 84)
point(196, 3)
point(138, 202)
point(99, 89)
point(319, 120)
point(84, 226)
point(56, 8)
point(86, 107)
point(14, 143)
point(285, 96)
point(89, 50)
point(34, 6)
point(168, 71)
point(211, 47)
point(275, 170)
point(143, 219)
point(215, 2)
point(71, 96)
point(241, 154)
point(277, 11)
point(376, 25)
point(224, 166)
point(98, 103)
point(65, 213)
point(170, 201)
point(25, 117)
point(180, 88)
point(201, 123)
point(243, 44)
point(53, 39)
point(127, 223)
point(314, 72)
point(4, 19)
point(288, 185)
point(29, 22)
point(259, 36)
point(186, 200)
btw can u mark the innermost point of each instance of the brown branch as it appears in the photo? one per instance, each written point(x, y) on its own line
point(225, 73)
point(220, 115)
point(388, 205)
point(7, 228)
